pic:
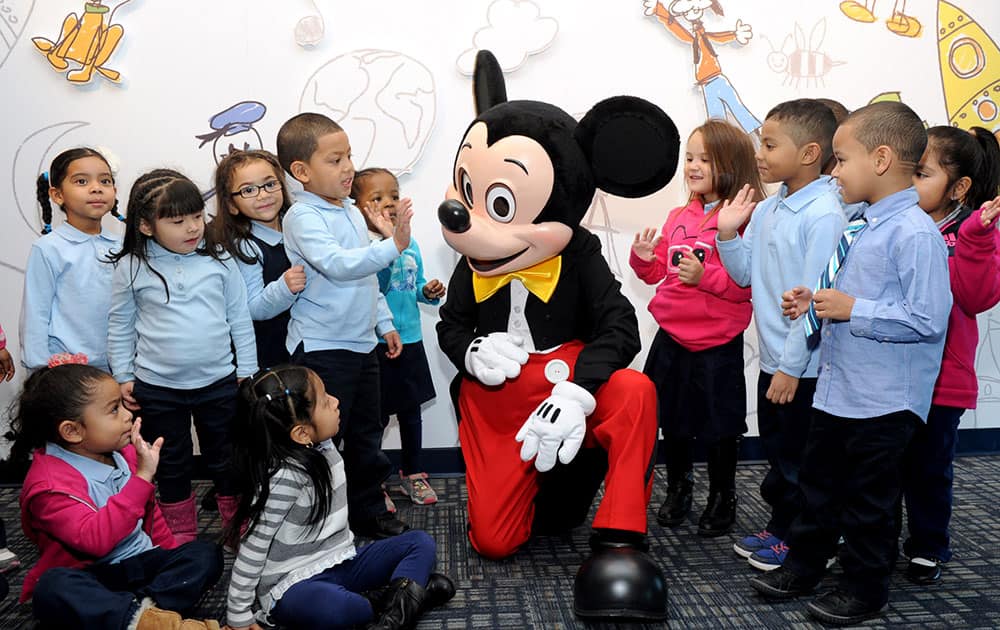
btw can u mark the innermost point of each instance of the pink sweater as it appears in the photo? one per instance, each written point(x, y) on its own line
point(59, 516)
point(974, 266)
point(698, 317)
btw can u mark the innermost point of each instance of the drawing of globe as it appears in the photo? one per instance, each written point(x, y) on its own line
point(385, 100)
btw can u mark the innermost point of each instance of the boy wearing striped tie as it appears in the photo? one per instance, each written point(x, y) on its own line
point(788, 241)
point(881, 327)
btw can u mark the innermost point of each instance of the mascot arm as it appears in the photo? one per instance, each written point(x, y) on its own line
point(557, 426)
point(459, 317)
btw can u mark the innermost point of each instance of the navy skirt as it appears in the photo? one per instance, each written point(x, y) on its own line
point(406, 380)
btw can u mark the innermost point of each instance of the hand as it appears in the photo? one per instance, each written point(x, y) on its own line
point(743, 32)
point(379, 219)
point(782, 389)
point(833, 304)
point(990, 211)
point(295, 278)
point(733, 215)
point(395, 344)
point(557, 426)
point(689, 269)
point(130, 402)
point(795, 303)
point(649, 6)
point(645, 244)
point(147, 455)
point(495, 358)
point(434, 290)
point(401, 235)
point(6, 365)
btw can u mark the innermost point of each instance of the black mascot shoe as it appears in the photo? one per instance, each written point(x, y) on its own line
point(620, 581)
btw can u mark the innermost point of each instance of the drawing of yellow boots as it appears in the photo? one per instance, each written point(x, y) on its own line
point(86, 40)
point(899, 22)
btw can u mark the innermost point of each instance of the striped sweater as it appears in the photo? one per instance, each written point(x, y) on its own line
point(281, 550)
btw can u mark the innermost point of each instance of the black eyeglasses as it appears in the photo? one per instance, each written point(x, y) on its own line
point(251, 190)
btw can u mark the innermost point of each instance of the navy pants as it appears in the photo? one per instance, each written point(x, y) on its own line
point(851, 481)
point(353, 378)
point(107, 596)
point(332, 598)
point(928, 474)
point(167, 412)
point(783, 430)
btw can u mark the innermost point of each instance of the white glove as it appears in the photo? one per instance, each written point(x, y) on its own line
point(495, 358)
point(650, 6)
point(558, 424)
point(743, 32)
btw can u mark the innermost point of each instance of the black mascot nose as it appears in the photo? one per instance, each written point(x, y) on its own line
point(453, 216)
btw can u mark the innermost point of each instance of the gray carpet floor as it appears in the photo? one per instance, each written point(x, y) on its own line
point(708, 582)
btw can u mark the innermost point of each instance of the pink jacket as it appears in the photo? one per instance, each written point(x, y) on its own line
point(974, 265)
point(59, 516)
point(698, 317)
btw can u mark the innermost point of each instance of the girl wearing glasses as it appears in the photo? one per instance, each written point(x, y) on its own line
point(252, 199)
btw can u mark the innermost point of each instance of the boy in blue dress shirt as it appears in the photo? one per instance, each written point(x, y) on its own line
point(881, 326)
point(788, 242)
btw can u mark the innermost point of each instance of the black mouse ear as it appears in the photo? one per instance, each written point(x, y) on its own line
point(488, 87)
point(631, 144)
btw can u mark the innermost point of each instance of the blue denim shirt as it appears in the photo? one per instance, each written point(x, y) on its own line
point(886, 358)
point(788, 242)
point(341, 307)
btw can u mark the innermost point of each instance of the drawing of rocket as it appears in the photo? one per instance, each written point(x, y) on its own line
point(970, 69)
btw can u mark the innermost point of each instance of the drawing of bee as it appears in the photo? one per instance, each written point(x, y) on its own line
point(805, 61)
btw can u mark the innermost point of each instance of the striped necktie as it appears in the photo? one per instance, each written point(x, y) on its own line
point(826, 278)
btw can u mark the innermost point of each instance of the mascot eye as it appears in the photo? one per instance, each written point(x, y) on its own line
point(466, 182)
point(500, 203)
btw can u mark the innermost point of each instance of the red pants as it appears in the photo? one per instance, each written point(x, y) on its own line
point(502, 488)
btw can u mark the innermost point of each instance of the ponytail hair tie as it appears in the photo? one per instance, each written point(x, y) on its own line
point(46, 228)
point(65, 358)
point(287, 393)
point(45, 176)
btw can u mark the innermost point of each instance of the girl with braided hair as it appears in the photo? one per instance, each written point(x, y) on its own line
point(179, 337)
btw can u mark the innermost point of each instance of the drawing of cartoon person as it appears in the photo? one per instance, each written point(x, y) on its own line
point(718, 91)
point(898, 21)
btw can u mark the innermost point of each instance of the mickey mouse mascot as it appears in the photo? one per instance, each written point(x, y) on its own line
point(542, 336)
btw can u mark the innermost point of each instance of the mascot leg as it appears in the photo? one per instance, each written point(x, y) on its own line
point(566, 492)
point(620, 580)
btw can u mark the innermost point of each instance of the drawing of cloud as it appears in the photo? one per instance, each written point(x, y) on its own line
point(13, 15)
point(516, 30)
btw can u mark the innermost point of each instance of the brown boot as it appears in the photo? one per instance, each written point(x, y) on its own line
point(150, 617)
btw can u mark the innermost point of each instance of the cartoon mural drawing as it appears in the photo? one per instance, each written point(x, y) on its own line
point(898, 22)
point(970, 69)
point(310, 29)
point(515, 29)
point(598, 220)
point(31, 158)
point(718, 91)
point(233, 130)
point(385, 99)
point(13, 15)
point(805, 60)
point(87, 40)
point(988, 371)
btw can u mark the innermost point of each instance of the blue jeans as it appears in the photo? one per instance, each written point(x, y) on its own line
point(719, 94)
point(928, 473)
point(332, 598)
point(107, 596)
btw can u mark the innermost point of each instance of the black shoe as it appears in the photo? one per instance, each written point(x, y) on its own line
point(439, 591)
point(384, 525)
point(842, 609)
point(783, 584)
point(921, 573)
point(619, 581)
point(402, 604)
point(678, 502)
point(719, 515)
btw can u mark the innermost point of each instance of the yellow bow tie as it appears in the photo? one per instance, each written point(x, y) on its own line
point(540, 279)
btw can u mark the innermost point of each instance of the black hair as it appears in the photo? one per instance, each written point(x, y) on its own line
point(159, 194)
point(974, 154)
point(840, 112)
point(891, 124)
point(299, 137)
point(229, 231)
point(269, 406)
point(54, 178)
point(364, 174)
point(49, 397)
point(807, 120)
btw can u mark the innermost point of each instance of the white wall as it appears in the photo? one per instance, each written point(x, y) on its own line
point(183, 62)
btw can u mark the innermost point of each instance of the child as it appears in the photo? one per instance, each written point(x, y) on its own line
point(178, 312)
point(958, 173)
point(335, 320)
point(6, 361)
point(696, 360)
point(406, 380)
point(881, 336)
point(788, 242)
point(852, 211)
point(107, 559)
point(252, 199)
point(67, 284)
point(8, 559)
point(297, 558)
